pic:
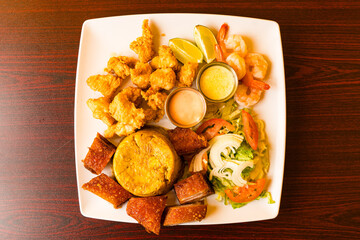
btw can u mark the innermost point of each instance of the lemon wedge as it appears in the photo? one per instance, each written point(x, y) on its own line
point(206, 41)
point(185, 51)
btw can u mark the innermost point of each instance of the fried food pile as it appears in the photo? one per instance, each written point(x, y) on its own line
point(126, 110)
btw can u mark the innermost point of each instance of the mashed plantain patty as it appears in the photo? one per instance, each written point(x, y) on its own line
point(146, 164)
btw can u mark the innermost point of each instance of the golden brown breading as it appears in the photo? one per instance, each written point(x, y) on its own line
point(166, 59)
point(163, 78)
point(192, 189)
point(147, 211)
point(100, 109)
point(187, 74)
point(140, 75)
point(125, 109)
point(185, 213)
point(143, 46)
point(106, 84)
point(186, 141)
point(120, 66)
point(99, 154)
point(156, 101)
point(106, 188)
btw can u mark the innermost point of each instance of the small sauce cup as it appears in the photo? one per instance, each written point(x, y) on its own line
point(185, 107)
point(217, 81)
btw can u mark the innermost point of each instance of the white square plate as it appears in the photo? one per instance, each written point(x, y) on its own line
point(106, 37)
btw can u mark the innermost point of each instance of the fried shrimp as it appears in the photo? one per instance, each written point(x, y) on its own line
point(156, 101)
point(143, 46)
point(257, 65)
point(187, 74)
point(106, 84)
point(125, 108)
point(246, 96)
point(166, 59)
point(140, 75)
point(120, 66)
point(163, 78)
point(100, 109)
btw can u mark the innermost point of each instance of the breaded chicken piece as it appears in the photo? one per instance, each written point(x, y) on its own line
point(166, 59)
point(106, 84)
point(140, 75)
point(163, 78)
point(120, 66)
point(186, 141)
point(143, 46)
point(187, 74)
point(125, 109)
point(120, 129)
point(100, 109)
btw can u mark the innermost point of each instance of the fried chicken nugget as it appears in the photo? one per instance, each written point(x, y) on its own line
point(125, 109)
point(120, 66)
point(166, 59)
point(143, 46)
point(106, 84)
point(187, 74)
point(163, 78)
point(140, 75)
point(100, 109)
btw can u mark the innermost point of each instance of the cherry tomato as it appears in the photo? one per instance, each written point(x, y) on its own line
point(211, 128)
point(250, 129)
point(246, 193)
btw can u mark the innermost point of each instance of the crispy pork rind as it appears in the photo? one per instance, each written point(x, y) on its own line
point(163, 78)
point(187, 74)
point(106, 188)
point(166, 59)
point(147, 211)
point(140, 75)
point(143, 46)
point(106, 84)
point(186, 141)
point(184, 213)
point(192, 189)
point(100, 109)
point(99, 154)
point(120, 66)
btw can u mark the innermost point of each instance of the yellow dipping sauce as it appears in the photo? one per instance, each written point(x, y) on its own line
point(217, 82)
point(186, 107)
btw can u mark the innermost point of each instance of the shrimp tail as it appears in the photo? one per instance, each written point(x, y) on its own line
point(219, 53)
point(249, 81)
point(222, 35)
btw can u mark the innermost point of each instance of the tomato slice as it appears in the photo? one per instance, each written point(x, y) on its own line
point(211, 128)
point(246, 193)
point(250, 129)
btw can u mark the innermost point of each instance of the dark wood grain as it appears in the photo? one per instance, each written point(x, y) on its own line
point(39, 43)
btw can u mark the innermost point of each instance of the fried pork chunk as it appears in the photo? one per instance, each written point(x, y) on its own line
point(147, 211)
point(100, 109)
point(186, 141)
point(140, 75)
point(192, 189)
point(163, 78)
point(166, 59)
point(106, 84)
point(143, 46)
point(187, 74)
point(106, 188)
point(99, 154)
point(120, 66)
point(185, 213)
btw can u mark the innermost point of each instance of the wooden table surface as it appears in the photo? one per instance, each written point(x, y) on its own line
point(39, 43)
